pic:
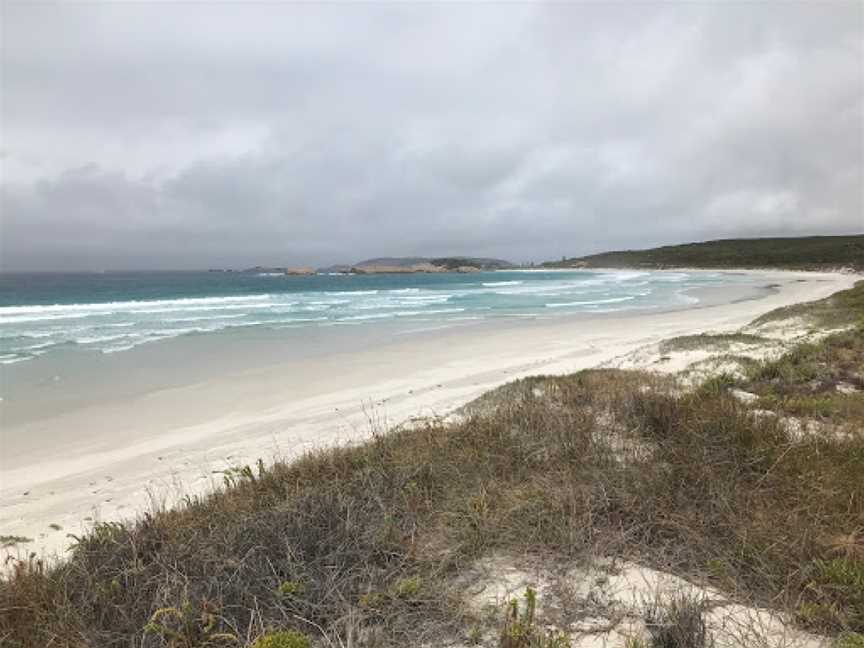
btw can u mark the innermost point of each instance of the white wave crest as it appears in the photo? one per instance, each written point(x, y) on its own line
point(12, 358)
point(203, 318)
point(428, 312)
point(365, 317)
point(184, 301)
point(21, 319)
point(614, 300)
point(104, 338)
point(428, 298)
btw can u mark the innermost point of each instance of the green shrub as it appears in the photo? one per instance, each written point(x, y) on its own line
point(850, 640)
point(838, 587)
point(520, 629)
point(291, 589)
point(407, 588)
point(282, 639)
point(187, 625)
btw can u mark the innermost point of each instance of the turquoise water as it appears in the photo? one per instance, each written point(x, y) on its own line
point(115, 312)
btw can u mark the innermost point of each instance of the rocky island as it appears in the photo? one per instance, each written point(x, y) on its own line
point(401, 265)
point(390, 265)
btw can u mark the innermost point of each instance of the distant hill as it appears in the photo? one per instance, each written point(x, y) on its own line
point(395, 262)
point(803, 253)
point(478, 262)
point(421, 264)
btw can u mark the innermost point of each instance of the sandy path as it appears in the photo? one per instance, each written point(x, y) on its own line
point(182, 437)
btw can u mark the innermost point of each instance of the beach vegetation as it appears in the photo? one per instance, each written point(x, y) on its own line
point(677, 623)
point(824, 381)
point(520, 628)
point(710, 342)
point(474, 635)
point(850, 640)
point(291, 588)
point(282, 639)
point(12, 540)
point(635, 642)
point(842, 309)
point(187, 625)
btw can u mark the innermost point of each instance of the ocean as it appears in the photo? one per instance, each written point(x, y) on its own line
point(108, 313)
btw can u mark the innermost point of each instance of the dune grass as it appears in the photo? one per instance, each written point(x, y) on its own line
point(821, 381)
point(842, 309)
point(13, 540)
point(710, 342)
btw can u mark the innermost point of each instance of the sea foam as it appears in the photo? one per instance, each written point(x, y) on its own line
point(110, 326)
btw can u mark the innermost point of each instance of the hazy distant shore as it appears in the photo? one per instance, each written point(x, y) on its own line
point(149, 440)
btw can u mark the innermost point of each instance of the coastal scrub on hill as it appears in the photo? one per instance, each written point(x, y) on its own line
point(798, 253)
point(746, 488)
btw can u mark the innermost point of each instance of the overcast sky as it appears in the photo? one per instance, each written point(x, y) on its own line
point(212, 134)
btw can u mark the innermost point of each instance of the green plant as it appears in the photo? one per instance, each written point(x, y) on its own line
point(705, 341)
point(520, 629)
point(184, 626)
point(850, 640)
point(837, 589)
point(635, 642)
point(282, 639)
point(291, 589)
point(717, 385)
point(408, 587)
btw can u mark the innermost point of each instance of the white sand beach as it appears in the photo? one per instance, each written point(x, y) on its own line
point(99, 461)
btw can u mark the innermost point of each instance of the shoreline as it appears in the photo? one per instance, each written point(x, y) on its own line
point(152, 450)
point(77, 377)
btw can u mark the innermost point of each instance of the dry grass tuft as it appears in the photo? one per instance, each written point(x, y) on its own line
point(678, 623)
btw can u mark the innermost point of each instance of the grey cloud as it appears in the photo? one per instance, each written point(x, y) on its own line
point(139, 136)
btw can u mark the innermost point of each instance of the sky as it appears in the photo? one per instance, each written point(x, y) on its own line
point(195, 135)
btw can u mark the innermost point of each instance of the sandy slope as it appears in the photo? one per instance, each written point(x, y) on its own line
point(604, 603)
point(149, 451)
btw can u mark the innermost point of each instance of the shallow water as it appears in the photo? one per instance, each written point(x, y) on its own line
point(45, 314)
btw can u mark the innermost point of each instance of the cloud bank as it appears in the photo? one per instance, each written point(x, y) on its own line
point(190, 135)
